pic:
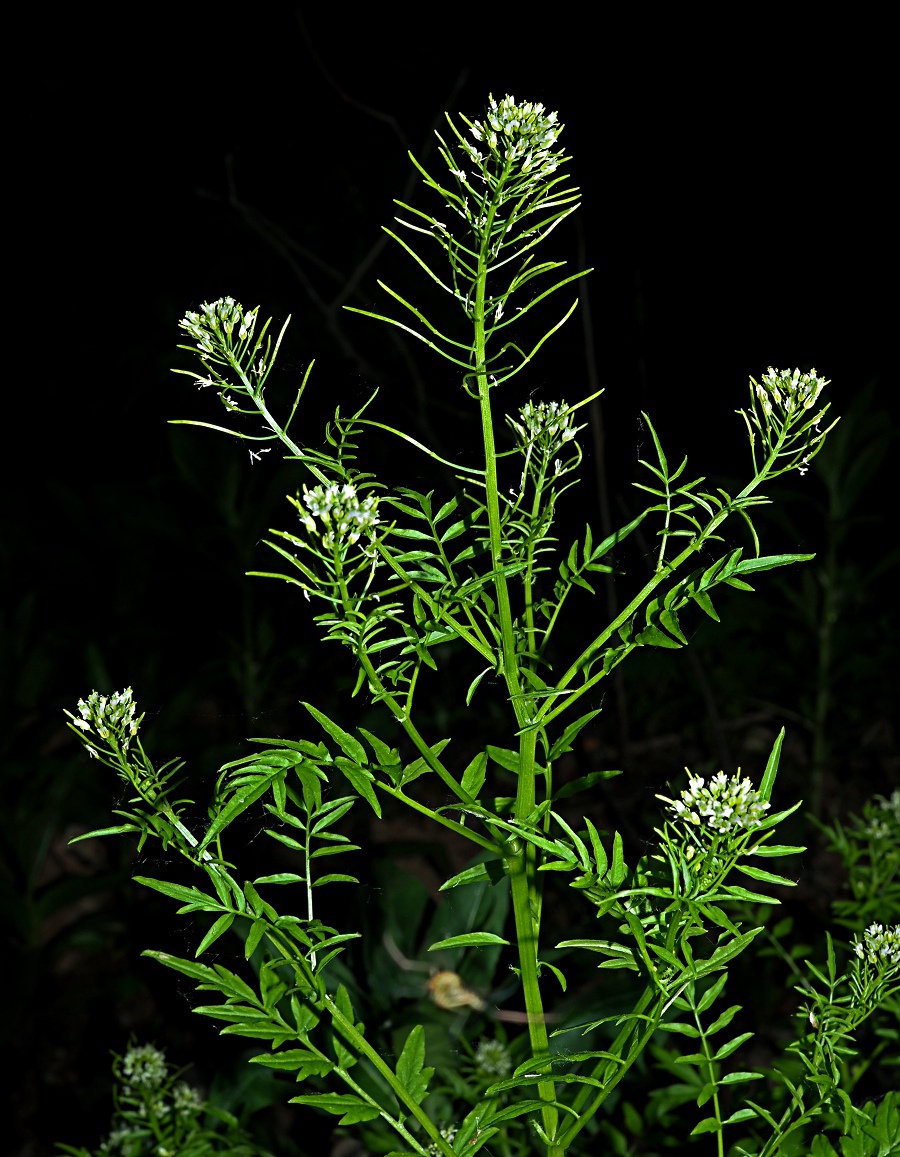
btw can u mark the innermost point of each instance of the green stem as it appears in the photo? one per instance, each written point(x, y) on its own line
point(526, 907)
point(711, 1077)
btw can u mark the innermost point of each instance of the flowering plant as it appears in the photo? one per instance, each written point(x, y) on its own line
point(400, 575)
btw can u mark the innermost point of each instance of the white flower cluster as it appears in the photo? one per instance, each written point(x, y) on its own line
point(879, 945)
point(108, 715)
point(548, 425)
point(524, 133)
point(341, 511)
point(891, 805)
point(187, 1099)
point(788, 391)
point(727, 804)
point(493, 1059)
point(448, 1132)
point(144, 1067)
point(217, 318)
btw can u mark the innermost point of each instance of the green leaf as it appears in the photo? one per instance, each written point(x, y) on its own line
point(735, 1043)
point(201, 972)
point(474, 775)
point(723, 1019)
point(740, 1115)
point(351, 747)
point(704, 602)
point(564, 743)
point(362, 779)
point(193, 896)
point(221, 925)
point(774, 850)
point(712, 994)
point(489, 872)
point(737, 1078)
point(768, 780)
point(473, 686)
point(618, 871)
point(410, 1066)
point(600, 857)
point(468, 940)
point(239, 803)
point(255, 935)
point(769, 562)
point(708, 1125)
point(305, 1064)
point(352, 1110)
point(281, 878)
point(119, 830)
point(766, 877)
point(335, 878)
point(680, 1027)
point(505, 758)
point(583, 783)
point(652, 636)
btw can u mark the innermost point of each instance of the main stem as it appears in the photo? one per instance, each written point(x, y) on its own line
point(521, 855)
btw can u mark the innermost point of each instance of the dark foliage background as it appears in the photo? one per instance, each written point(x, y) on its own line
point(735, 214)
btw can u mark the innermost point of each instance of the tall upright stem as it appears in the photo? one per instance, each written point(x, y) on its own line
point(521, 856)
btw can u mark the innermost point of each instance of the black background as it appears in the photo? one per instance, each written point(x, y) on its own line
point(735, 185)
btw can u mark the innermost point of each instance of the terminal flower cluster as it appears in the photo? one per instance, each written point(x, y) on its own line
point(144, 1067)
point(493, 1059)
point(340, 511)
point(521, 134)
point(217, 319)
point(726, 804)
point(788, 391)
point(548, 425)
point(108, 716)
point(879, 945)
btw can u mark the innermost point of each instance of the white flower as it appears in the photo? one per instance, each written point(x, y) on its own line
point(522, 133)
point(340, 510)
point(788, 391)
point(727, 804)
point(108, 715)
point(879, 945)
point(144, 1066)
point(492, 1058)
point(548, 425)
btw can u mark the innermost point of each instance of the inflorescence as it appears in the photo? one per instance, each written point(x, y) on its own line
point(108, 716)
point(492, 1058)
point(788, 391)
point(216, 319)
point(342, 512)
point(727, 804)
point(523, 135)
point(879, 945)
point(547, 425)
